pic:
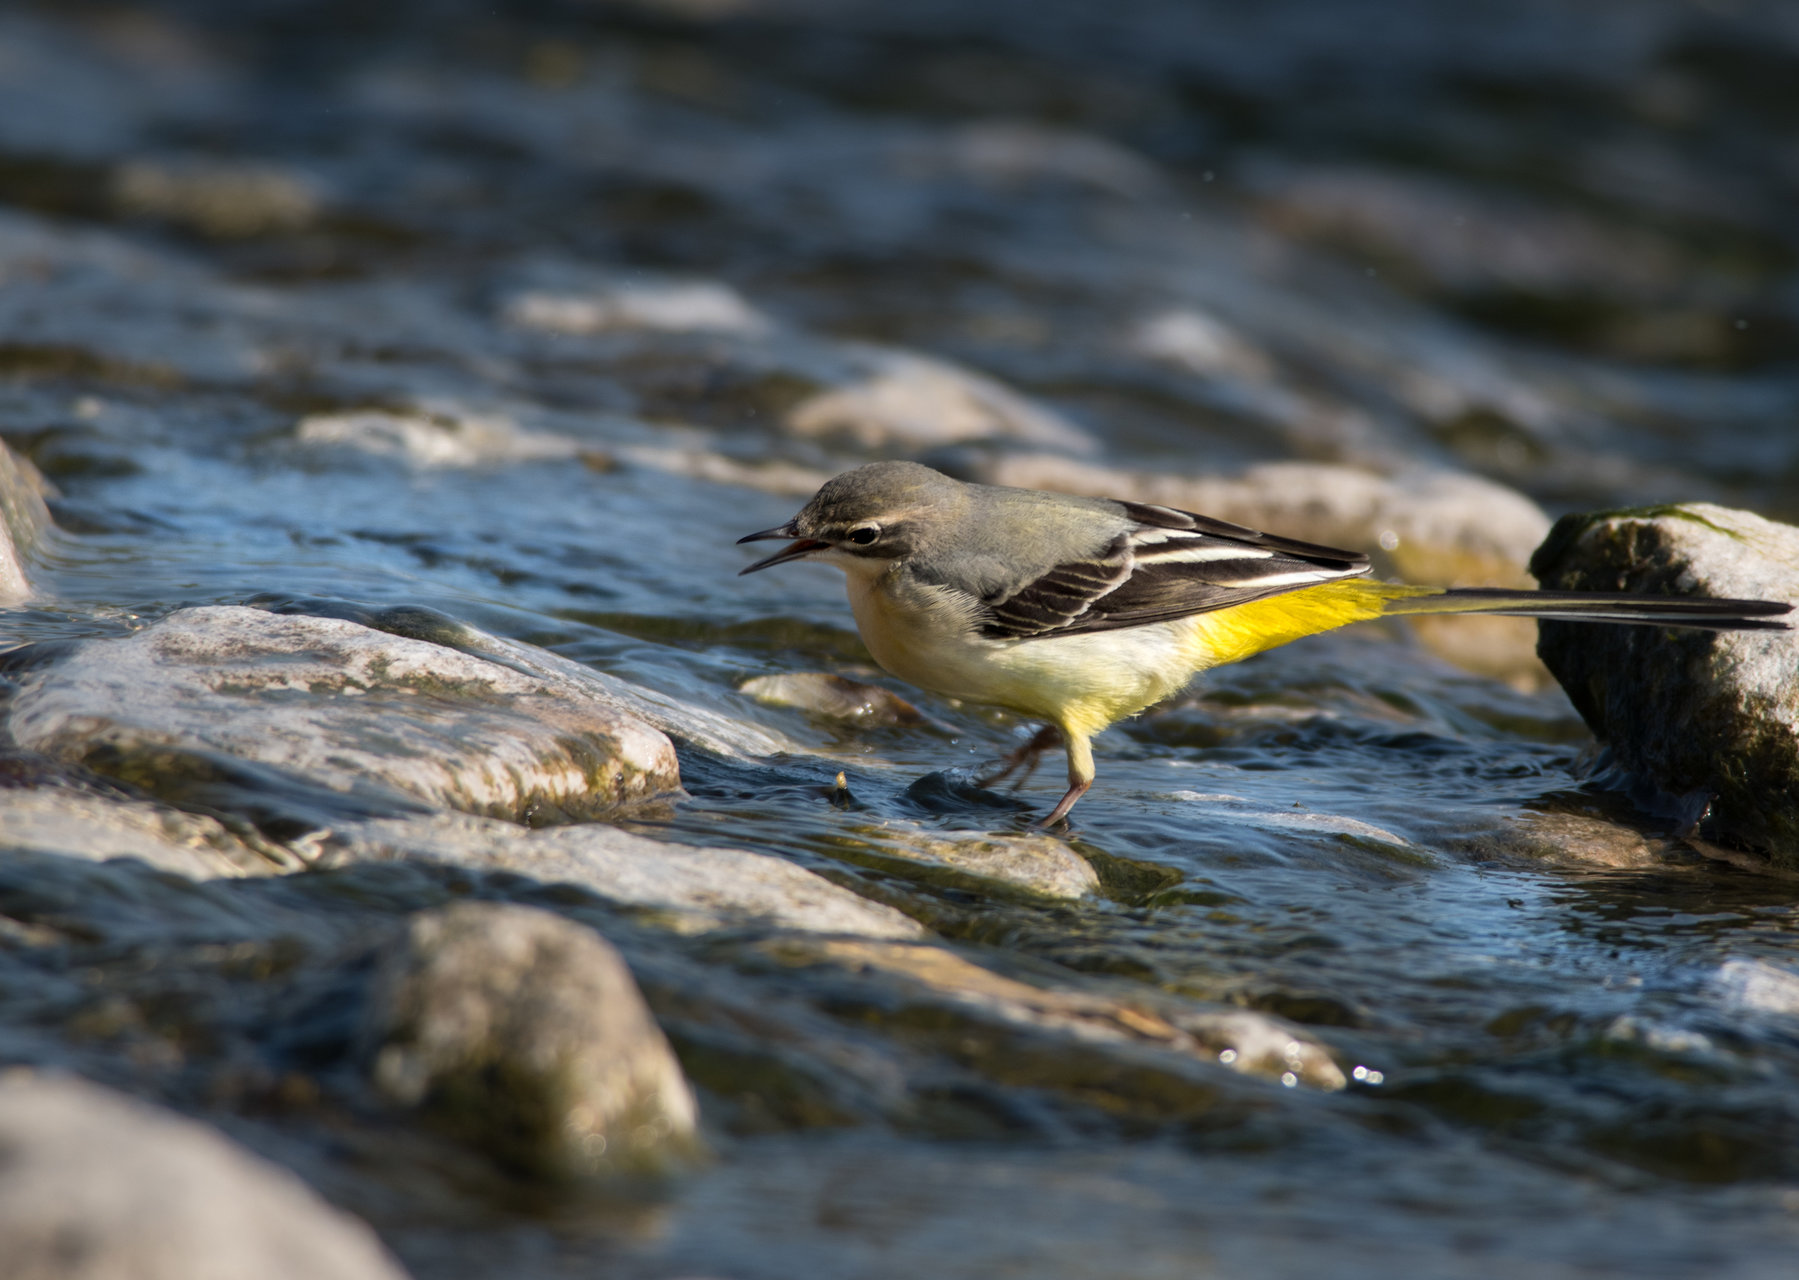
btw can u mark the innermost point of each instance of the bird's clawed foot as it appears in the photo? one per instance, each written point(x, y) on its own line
point(1025, 757)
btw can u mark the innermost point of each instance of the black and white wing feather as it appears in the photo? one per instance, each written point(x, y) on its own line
point(1170, 564)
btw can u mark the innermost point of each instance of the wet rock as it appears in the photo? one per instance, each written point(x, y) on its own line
point(1014, 153)
point(444, 437)
point(1257, 1045)
point(1236, 809)
point(84, 824)
point(382, 720)
point(683, 720)
point(1566, 839)
point(1037, 864)
point(23, 519)
point(1243, 1040)
point(913, 401)
point(228, 201)
point(1701, 727)
point(526, 1034)
point(561, 676)
point(1757, 987)
point(95, 1186)
point(832, 696)
point(676, 307)
point(691, 888)
point(769, 475)
point(1199, 343)
point(1440, 528)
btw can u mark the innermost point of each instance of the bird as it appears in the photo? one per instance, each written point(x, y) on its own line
point(1078, 611)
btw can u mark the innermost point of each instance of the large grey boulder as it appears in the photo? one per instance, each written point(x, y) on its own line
point(342, 708)
point(1705, 727)
point(95, 1186)
point(525, 1034)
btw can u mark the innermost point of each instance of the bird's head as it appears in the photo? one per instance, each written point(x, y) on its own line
point(863, 520)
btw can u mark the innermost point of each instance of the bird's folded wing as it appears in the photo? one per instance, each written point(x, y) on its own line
point(1170, 564)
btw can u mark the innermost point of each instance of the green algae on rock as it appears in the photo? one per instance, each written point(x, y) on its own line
point(1702, 727)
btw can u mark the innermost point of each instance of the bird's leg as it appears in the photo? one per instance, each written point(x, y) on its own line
point(1027, 756)
point(1080, 777)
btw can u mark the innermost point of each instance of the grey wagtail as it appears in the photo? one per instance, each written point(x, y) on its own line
point(1081, 611)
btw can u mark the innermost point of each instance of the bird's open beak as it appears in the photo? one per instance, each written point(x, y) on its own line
point(793, 551)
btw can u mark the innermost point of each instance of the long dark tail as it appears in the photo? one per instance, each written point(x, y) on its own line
point(1585, 606)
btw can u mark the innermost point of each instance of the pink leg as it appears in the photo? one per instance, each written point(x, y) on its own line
point(1080, 776)
point(1060, 812)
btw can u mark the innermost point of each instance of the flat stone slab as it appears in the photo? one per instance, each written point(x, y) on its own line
point(1702, 727)
point(345, 708)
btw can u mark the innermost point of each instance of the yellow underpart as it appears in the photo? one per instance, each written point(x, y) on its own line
point(1242, 631)
point(1083, 708)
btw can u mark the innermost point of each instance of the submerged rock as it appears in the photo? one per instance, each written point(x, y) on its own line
point(922, 975)
point(223, 200)
point(693, 888)
point(1567, 839)
point(832, 696)
point(337, 712)
point(1038, 864)
point(671, 306)
point(1701, 727)
point(82, 824)
point(442, 435)
point(526, 1034)
point(95, 1186)
point(23, 519)
point(1019, 154)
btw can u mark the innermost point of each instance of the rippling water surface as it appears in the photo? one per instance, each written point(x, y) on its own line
point(1578, 1044)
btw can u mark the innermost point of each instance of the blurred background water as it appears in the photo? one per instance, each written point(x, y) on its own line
point(526, 311)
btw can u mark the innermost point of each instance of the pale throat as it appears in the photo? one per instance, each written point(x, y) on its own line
point(924, 639)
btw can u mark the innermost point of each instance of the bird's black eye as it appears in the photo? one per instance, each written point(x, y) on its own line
point(864, 535)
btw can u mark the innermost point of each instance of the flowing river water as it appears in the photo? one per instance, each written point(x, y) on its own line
point(525, 313)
